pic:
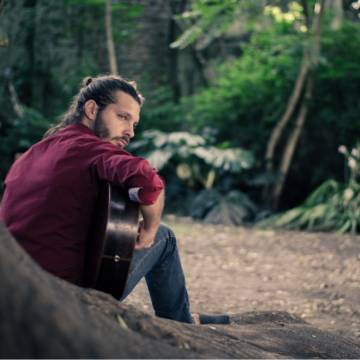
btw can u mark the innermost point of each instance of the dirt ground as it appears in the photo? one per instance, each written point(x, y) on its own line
point(236, 269)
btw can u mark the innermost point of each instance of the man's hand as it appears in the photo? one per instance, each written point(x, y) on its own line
point(149, 225)
point(146, 237)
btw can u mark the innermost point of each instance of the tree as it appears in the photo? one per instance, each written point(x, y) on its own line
point(304, 84)
point(110, 38)
point(337, 7)
point(176, 7)
point(201, 25)
point(3, 39)
point(2, 4)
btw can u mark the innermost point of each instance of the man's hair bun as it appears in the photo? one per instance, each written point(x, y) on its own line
point(133, 84)
point(86, 81)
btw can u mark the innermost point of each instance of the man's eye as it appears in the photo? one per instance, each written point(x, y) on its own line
point(122, 116)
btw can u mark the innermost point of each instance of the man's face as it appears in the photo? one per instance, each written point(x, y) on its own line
point(117, 122)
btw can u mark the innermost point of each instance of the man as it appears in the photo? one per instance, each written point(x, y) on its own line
point(50, 193)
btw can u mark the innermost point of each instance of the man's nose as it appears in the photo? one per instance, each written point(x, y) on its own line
point(130, 132)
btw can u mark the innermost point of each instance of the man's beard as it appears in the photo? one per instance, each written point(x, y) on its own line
point(103, 132)
point(100, 128)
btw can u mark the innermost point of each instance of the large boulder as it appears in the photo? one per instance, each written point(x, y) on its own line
point(45, 317)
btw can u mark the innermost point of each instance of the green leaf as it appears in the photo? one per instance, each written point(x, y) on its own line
point(159, 158)
point(86, 2)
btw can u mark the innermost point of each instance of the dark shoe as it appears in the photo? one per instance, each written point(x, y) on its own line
point(211, 319)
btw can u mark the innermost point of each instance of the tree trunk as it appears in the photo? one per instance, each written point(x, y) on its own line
point(109, 38)
point(319, 9)
point(18, 109)
point(30, 30)
point(3, 40)
point(337, 7)
point(2, 4)
point(306, 12)
point(292, 143)
point(175, 8)
point(280, 126)
point(311, 58)
point(200, 63)
point(293, 100)
point(290, 108)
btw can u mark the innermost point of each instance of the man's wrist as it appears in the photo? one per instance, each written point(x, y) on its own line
point(151, 227)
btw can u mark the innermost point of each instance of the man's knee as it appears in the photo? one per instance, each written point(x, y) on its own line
point(165, 233)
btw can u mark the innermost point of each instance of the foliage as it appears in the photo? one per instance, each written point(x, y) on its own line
point(195, 160)
point(191, 164)
point(20, 135)
point(50, 47)
point(57, 44)
point(332, 206)
point(206, 21)
point(159, 111)
point(233, 208)
point(293, 17)
point(249, 52)
point(248, 95)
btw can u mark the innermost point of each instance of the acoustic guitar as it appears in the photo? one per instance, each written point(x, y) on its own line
point(111, 240)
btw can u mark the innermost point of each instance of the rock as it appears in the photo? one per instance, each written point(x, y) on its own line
point(227, 214)
point(203, 203)
point(234, 208)
point(45, 317)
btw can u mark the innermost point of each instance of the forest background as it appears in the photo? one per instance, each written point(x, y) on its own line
point(251, 106)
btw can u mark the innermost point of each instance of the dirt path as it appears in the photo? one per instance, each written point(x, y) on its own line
point(313, 275)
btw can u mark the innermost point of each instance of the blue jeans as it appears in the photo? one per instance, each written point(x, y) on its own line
point(161, 266)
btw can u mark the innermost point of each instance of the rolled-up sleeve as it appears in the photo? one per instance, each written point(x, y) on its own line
point(133, 173)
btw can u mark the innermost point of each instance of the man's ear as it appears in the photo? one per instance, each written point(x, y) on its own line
point(90, 109)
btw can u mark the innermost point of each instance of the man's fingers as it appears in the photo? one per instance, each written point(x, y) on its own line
point(139, 247)
point(145, 239)
point(143, 244)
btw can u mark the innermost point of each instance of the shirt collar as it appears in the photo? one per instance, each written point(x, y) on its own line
point(83, 128)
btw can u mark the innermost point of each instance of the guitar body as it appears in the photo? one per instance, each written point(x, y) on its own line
point(112, 241)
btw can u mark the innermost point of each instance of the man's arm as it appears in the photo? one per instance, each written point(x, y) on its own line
point(144, 185)
point(152, 218)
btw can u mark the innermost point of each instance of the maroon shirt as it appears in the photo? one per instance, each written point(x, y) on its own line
point(50, 192)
